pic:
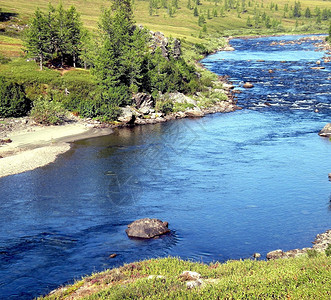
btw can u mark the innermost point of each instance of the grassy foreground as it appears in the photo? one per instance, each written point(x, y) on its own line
point(305, 277)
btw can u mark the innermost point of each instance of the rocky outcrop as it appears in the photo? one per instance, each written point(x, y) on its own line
point(127, 115)
point(141, 100)
point(326, 131)
point(181, 98)
point(320, 244)
point(176, 49)
point(147, 228)
point(159, 40)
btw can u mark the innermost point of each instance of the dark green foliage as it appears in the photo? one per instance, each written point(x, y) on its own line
point(307, 13)
point(164, 106)
point(13, 101)
point(328, 250)
point(55, 35)
point(118, 61)
point(4, 60)
point(297, 10)
point(168, 75)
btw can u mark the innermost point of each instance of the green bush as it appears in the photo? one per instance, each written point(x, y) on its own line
point(328, 250)
point(4, 60)
point(47, 111)
point(165, 106)
point(13, 100)
point(182, 106)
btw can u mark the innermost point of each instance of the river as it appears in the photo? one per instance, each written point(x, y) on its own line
point(228, 184)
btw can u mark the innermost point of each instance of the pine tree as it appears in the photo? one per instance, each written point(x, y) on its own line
point(119, 58)
point(38, 39)
point(195, 12)
point(307, 13)
point(74, 33)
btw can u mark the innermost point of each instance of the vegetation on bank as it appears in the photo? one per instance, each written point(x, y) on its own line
point(305, 277)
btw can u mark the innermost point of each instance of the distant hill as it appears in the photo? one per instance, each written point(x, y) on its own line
point(192, 19)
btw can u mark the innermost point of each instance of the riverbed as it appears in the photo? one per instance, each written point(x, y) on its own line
point(229, 185)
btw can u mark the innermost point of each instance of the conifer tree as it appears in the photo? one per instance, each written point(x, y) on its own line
point(38, 42)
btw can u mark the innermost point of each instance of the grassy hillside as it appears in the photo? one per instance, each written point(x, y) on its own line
point(299, 278)
point(222, 17)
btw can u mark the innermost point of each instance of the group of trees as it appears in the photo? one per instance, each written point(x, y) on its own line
point(120, 57)
point(55, 35)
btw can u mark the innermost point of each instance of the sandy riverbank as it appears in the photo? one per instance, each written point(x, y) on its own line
point(33, 146)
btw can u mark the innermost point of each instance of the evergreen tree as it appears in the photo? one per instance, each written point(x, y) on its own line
point(38, 42)
point(119, 58)
point(195, 12)
point(307, 13)
point(297, 10)
point(74, 34)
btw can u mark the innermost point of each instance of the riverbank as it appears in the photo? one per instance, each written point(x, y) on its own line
point(301, 277)
point(26, 145)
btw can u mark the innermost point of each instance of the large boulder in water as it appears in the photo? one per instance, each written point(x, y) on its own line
point(147, 228)
point(326, 131)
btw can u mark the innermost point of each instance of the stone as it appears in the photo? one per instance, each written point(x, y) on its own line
point(275, 254)
point(143, 100)
point(127, 115)
point(112, 255)
point(326, 131)
point(194, 113)
point(176, 51)
point(193, 284)
point(144, 110)
point(155, 277)
point(147, 228)
point(248, 85)
point(228, 48)
point(190, 275)
point(329, 176)
point(181, 98)
point(228, 86)
point(256, 255)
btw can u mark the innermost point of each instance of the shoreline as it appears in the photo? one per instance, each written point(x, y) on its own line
point(31, 146)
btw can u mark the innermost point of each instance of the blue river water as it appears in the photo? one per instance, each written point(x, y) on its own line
point(228, 184)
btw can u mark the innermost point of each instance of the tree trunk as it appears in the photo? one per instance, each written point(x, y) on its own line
point(74, 59)
point(85, 65)
point(41, 62)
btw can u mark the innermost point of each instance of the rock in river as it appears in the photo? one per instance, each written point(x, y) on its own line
point(248, 85)
point(326, 131)
point(147, 228)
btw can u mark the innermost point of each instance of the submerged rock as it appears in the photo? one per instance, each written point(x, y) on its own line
point(326, 131)
point(147, 228)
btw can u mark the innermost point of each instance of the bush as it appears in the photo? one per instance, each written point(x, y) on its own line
point(47, 111)
point(328, 250)
point(13, 100)
point(4, 60)
point(165, 106)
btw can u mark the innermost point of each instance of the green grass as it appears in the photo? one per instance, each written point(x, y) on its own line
point(299, 278)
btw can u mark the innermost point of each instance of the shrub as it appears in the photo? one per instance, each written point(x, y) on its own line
point(47, 111)
point(4, 60)
point(13, 100)
point(165, 106)
point(328, 250)
point(182, 106)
